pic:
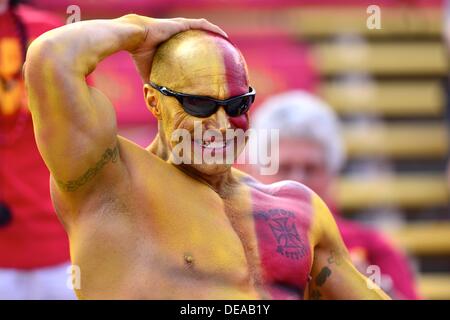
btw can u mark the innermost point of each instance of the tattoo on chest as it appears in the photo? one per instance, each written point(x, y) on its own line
point(282, 223)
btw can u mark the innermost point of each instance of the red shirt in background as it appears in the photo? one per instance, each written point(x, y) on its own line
point(34, 237)
point(368, 246)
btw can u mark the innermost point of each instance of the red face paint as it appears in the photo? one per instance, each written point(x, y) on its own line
point(236, 76)
point(235, 67)
point(240, 122)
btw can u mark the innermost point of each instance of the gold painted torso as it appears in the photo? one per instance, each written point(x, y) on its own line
point(166, 236)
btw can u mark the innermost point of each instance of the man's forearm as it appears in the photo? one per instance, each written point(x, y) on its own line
point(80, 46)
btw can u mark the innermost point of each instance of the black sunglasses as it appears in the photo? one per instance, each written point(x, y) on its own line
point(203, 107)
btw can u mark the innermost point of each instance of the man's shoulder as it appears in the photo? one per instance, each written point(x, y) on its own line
point(290, 192)
point(284, 188)
point(132, 153)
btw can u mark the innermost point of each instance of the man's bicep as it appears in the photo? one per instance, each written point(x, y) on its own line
point(76, 135)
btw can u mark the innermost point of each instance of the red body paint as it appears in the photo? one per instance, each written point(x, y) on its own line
point(235, 67)
point(240, 122)
point(236, 75)
point(282, 214)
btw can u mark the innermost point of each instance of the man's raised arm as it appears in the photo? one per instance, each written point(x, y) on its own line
point(75, 125)
point(333, 274)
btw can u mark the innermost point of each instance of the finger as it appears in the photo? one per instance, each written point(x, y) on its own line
point(205, 25)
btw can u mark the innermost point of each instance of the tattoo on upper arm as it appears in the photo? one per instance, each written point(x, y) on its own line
point(322, 276)
point(110, 155)
point(315, 295)
point(334, 258)
point(320, 280)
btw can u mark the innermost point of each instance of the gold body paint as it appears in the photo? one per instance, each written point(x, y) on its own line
point(141, 227)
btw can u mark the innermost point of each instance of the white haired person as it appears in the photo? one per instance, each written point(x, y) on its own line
point(311, 152)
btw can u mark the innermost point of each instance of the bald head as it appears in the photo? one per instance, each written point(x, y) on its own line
point(200, 62)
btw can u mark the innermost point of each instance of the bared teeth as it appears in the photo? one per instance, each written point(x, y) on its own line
point(212, 144)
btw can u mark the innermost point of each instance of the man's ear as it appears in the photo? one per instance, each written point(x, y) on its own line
point(152, 100)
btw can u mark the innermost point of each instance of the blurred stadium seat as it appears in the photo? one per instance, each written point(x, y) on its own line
point(384, 59)
point(407, 191)
point(400, 98)
point(411, 140)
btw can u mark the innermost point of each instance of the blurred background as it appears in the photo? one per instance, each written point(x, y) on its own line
point(388, 86)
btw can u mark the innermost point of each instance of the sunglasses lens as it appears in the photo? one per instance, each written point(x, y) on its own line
point(239, 106)
point(199, 107)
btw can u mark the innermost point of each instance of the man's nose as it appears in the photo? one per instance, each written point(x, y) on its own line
point(221, 120)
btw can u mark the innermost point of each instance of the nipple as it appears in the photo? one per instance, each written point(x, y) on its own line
point(188, 259)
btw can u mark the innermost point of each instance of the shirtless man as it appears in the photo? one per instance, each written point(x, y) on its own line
point(141, 227)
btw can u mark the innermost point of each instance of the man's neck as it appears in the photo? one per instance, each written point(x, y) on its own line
point(222, 183)
point(158, 148)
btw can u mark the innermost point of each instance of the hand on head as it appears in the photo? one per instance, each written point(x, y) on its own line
point(160, 30)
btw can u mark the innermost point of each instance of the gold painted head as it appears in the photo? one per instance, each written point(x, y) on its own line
point(199, 63)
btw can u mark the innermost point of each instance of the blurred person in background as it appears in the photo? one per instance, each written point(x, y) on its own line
point(312, 153)
point(34, 252)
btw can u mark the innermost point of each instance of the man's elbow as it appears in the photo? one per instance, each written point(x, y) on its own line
point(41, 58)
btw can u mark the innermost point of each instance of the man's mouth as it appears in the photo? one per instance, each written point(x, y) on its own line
point(216, 144)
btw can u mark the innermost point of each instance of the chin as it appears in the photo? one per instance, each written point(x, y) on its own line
point(210, 169)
